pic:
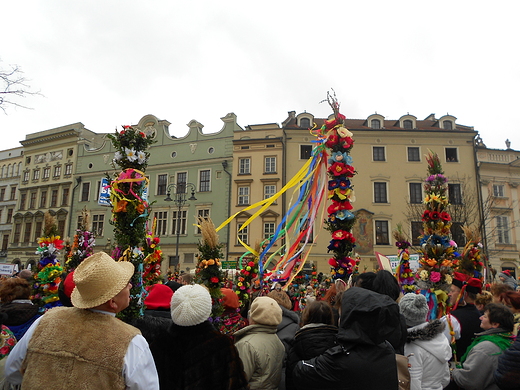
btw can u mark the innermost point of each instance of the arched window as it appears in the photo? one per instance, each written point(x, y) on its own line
point(305, 122)
point(408, 124)
point(447, 125)
point(375, 124)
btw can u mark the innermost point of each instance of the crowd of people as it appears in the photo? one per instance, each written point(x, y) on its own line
point(346, 338)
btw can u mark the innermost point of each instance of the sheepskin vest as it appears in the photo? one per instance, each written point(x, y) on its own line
point(77, 349)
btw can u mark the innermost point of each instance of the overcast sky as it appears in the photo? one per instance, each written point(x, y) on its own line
point(109, 63)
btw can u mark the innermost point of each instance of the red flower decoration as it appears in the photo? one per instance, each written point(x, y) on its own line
point(214, 279)
point(338, 169)
point(426, 215)
point(348, 142)
point(445, 216)
point(332, 140)
point(435, 215)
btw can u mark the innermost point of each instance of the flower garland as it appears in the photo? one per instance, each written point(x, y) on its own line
point(82, 245)
point(438, 249)
point(49, 269)
point(208, 272)
point(244, 280)
point(340, 171)
point(153, 257)
point(130, 209)
point(405, 276)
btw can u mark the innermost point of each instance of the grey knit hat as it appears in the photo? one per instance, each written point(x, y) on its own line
point(190, 305)
point(414, 308)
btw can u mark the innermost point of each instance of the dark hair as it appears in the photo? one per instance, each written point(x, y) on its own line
point(318, 312)
point(365, 280)
point(511, 298)
point(500, 314)
point(14, 288)
point(385, 283)
point(499, 288)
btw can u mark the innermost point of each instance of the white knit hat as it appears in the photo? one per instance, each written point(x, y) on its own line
point(414, 308)
point(190, 305)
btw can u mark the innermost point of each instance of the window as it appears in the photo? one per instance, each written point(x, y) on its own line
point(417, 232)
point(269, 228)
point(162, 222)
point(23, 198)
point(270, 165)
point(311, 233)
point(98, 222)
point(2, 194)
point(305, 122)
point(382, 237)
point(5, 242)
point(243, 195)
point(85, 192)
point(27, 232)
point(61, 227)
point(46, 173)
point(13, 193)
point(375, 124)
point(413, 154)
point(188, 257)
point(498, 190)
point(454, 194)
point(204, 180)
point(457, 234)
point(17, 232)
point(36, 174)
point(99, 189)
point(43, 199)
point(68, 169)
point(451, 155)
point(244, 166)
point(162, 183)
point(173, 261)
point(9, 215)
point(380, 193)
point(201, 213)
point(32, 200)
point(180, 222)
point(447, 125)
point(416, 193)
point(182, 179)
point(54, 198)
point(26, 176)
point(269, 190)
point(408, 124)
point(57, 171)
point(37, 231)
point(243, 234)
point(305, 152)
point(502, 230)
point(65, 197)
point(378, 153)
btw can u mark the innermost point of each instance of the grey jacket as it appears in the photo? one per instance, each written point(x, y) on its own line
point(262, 354)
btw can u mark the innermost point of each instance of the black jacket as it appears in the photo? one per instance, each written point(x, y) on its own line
point(363, 359)
point(469, 319)
point(507, 375)
point(309, 342)
point(197, 357)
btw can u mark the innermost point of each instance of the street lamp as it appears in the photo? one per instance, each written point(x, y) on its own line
point(179, 200)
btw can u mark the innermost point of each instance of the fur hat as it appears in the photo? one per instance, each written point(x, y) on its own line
point(230, 300)
point(265, 311)
point(159, 297)
point(98, 279)
point(414, 308)
point(190, 305)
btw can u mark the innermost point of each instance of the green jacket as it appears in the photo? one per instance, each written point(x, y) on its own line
point(262, 354)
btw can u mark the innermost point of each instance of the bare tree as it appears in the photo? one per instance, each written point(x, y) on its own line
point(13, 86)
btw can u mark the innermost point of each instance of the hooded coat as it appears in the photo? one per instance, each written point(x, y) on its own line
point(362, 359)
point(429, 369)
point(507, 375)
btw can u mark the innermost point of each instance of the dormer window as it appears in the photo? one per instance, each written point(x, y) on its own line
point(447, 125)
point(375, 124)
point(408, 124)
point(305, 122)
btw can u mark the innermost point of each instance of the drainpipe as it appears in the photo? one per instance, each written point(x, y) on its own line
point(481, 211)
point(78, 181)
point(225, 165)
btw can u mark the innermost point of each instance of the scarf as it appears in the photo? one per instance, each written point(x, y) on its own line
point(501, 340)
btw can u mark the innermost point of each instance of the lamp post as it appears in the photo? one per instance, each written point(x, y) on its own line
point(179, 199)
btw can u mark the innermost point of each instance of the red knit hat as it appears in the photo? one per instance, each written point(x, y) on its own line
point(507, 272)
point(230, 299)
point(473, 285)
point(159, 297)
point(68, 284)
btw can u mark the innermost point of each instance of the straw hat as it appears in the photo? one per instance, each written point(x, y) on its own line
point(99, 278)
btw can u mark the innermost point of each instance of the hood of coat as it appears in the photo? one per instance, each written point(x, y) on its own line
point(288, 317)
point(367, 317)
point(430, 337)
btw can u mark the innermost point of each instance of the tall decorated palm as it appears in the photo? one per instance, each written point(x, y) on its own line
point(48, 270)
point(340, 171)
point(152, 257)
point(404, 274)
point(208, 272)
point(130, 208)
point(82, 245)
point(434, 276)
